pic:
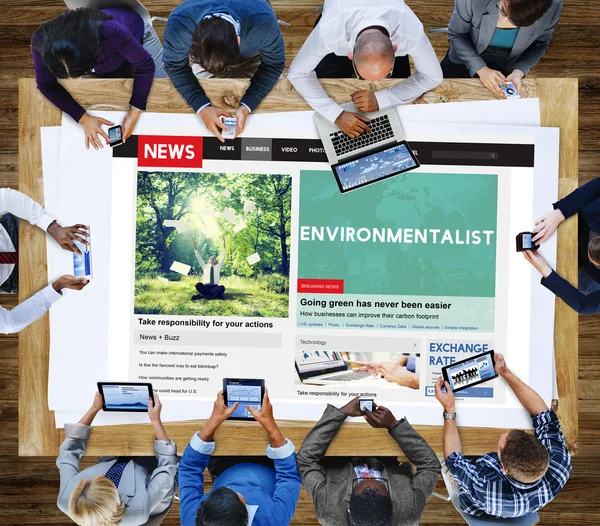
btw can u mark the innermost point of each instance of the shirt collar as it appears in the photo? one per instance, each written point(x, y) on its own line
point(251, 513)
point(229, 19)
point(494, 461)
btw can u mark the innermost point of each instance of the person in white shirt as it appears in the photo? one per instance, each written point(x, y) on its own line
point(18, 204)
point(209, 288)
point(373, 41)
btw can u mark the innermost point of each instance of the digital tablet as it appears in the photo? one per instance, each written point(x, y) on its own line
point(470, 372)
point(125, 396)
point(371, 167)
point(246, 392)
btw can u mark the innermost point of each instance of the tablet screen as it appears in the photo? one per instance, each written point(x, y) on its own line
point(469, 372)
point(122, 397)
point(374, 167)
point(245, 393)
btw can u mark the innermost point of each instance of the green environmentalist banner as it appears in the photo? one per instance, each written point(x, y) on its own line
point(416, 234)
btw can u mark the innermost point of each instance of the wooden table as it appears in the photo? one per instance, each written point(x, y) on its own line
point(37, 432)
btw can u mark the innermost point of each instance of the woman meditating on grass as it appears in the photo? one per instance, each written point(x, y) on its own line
point(209, 288)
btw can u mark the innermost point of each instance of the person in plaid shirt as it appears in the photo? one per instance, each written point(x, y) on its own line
point(525, 474)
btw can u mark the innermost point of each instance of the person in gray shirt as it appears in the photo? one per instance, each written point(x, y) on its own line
point(499, 41)
point(367, 491)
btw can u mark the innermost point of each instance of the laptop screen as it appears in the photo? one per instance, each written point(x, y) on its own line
point(313, 363)
point(374, 166)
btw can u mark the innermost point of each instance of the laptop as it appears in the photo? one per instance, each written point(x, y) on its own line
point(371, 157)
point(325, 367)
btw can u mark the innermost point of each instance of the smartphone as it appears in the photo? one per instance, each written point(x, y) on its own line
point(366, 404)
point(231, 123)
point(246, 392)
point(125, 396)
point(510, 92)
point(525, 241)
point(82, 263)
point(115, 136)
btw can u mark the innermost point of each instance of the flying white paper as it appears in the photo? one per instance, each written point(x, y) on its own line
point(240, 226)
point(253, 259)
point(180, 268)
point(164, 281)
point(226, 193)
point(249, 206)
point(229, 215)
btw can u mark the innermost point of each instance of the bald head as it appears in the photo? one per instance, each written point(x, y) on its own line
point(373, 54)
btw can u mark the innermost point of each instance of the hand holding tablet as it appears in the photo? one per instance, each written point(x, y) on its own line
point(125, 396)
point(246, 394)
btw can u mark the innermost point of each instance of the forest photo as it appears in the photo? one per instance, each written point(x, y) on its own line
point(212, 244)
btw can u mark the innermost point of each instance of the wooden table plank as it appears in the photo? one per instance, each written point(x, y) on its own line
point(558, 108)
point(37, 435)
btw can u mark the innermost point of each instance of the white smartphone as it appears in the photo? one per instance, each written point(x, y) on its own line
point(510, 92)
point(231, 123)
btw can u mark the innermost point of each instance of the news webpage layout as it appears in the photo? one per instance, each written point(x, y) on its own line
point(324, 295)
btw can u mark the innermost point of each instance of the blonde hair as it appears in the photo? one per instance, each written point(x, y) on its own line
point(96, 502)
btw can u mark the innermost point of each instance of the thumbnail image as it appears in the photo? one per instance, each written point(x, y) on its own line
point(368, 369)
point(212, 244)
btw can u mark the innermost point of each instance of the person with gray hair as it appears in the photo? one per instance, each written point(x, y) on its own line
point(369, 41)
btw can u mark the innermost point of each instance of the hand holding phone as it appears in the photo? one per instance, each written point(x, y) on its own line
point(510, 92)
point(231, 123)
point(115, 136)
point(525, 241)
point(366, 404)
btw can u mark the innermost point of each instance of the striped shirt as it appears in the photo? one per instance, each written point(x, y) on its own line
point(485, 489)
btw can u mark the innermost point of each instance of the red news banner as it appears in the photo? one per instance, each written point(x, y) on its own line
point(169, 151)
point(320, 286)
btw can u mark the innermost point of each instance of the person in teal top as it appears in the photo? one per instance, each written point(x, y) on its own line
point(499, 41)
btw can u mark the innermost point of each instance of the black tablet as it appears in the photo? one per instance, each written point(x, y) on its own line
point(470, 372)
point(125, 396)
point(371, 167)
point(246, 392)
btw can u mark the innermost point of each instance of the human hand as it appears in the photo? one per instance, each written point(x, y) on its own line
point(128, 123)
point(223, 241)
point(65, 235)
point(92, 127)
point(69, 282)
point(516, 77)
point(194, 241)
point(365, 100)
point(154, 409)
point(352, 124)
point(352, 408)
point(240, 114)
point(98, 403)
point(447, 398)
point(500, 364)
point(546, 225)
point(361, 367)
point(381, 417)
point(219, 414)
point(492, 79)
point(211, 117)
point(399, 374)
point(538, 262)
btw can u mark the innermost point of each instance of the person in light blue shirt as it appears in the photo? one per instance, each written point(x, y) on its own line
point(249, 491)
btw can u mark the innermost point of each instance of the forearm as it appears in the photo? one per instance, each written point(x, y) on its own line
point(452, 443)
point(529, 399)
point(531, 57)
point(88, 418)
point(582, 303)
point(159, 431)
point(276, 438)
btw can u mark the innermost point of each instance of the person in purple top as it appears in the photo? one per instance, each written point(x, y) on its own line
point(114, 42)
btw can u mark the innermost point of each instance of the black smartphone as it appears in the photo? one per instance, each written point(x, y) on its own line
point(246, 392)
point(115, 136)
point(470, 372)
point(366, 404)
point(125, 396)
point(525, 241)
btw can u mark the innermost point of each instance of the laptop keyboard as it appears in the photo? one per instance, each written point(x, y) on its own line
point(352, 375)
point(381, 131)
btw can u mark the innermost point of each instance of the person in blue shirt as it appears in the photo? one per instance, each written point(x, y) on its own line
point(526, 472)
point(223, 38)
point(249, 491)
point(585, 201)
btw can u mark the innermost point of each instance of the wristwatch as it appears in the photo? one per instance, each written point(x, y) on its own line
point(449, 416)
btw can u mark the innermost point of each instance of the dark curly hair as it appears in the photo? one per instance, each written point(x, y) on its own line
point(222, 508)
point(370, 508)
point(523, 13)
point(70, 43)
point(214, 45)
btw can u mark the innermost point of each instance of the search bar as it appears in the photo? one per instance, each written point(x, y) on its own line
point(457, 155)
